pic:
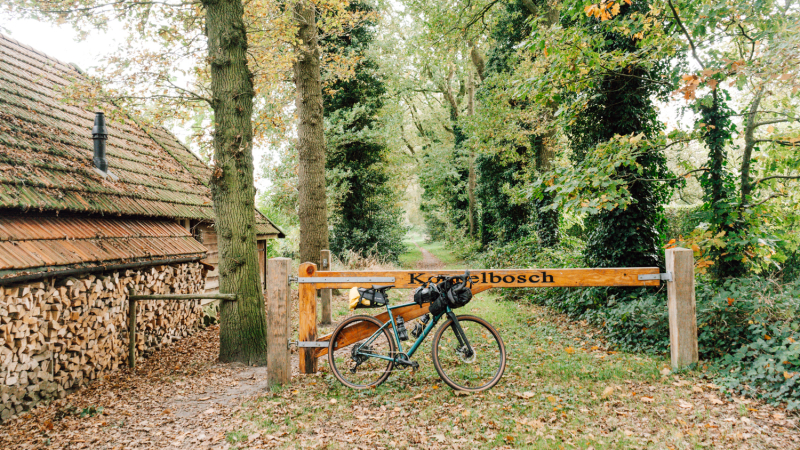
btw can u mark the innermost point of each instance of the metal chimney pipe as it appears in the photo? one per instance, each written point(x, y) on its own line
point(99, 135)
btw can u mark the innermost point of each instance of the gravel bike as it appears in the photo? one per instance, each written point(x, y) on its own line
point(467, 352)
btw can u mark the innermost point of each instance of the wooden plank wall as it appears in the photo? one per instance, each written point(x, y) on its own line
point(207, 235)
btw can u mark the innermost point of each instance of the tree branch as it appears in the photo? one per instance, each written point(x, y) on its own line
point(779, 142)
point(773, 177)
point(131, 4)
point(768, 122)
point(686, 33)
point(765, 200)
point(678, 178)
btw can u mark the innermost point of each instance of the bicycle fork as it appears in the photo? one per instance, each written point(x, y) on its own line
point(464, 346)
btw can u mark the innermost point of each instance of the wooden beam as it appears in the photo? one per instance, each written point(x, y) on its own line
point(681, 304)
point(308, 319)
point(503, 278)
point(198, 296)
point(325, 294)
point(279, 370)
point(131, 329)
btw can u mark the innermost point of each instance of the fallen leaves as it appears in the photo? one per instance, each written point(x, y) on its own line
point(608, 391)
point(685, 405)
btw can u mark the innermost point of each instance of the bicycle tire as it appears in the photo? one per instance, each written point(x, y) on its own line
point(483, 344)
point(341, 360)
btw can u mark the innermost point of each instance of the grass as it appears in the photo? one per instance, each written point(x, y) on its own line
point(561, 388)
point(439, 250)
point(408, 260)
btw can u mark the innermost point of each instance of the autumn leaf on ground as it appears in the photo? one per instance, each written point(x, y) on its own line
point(648, 399)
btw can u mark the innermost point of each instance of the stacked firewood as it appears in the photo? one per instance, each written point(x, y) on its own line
point(60, 333)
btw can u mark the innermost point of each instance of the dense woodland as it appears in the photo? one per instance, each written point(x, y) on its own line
point(524, 133)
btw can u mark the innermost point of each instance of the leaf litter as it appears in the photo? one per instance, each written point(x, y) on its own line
point(589, 397)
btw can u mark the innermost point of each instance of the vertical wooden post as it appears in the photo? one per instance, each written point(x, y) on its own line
point(681, 303)
point(308, 319)
point(279, 369)
point(325, 294)
point(131, 329)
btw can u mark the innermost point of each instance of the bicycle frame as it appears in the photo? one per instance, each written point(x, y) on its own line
point(416, 343)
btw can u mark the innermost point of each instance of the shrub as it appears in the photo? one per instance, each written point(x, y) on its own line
point(681, 220)
point(748, 327)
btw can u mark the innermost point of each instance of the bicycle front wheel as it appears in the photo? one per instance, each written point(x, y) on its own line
point(355, 349)
point(466, 370)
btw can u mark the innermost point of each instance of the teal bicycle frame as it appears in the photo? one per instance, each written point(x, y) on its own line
point(400, 351)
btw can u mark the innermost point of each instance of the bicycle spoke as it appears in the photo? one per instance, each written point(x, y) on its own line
point(356, 365)
point(475, 368)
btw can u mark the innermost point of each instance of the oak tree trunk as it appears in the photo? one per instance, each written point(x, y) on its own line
point(310, 138)
point(243, 324)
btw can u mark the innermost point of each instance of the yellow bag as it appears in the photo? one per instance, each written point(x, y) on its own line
point(355, 296)
point(366, 298)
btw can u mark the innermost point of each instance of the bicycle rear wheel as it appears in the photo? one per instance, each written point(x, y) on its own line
point(463, 371)
point(355, 364)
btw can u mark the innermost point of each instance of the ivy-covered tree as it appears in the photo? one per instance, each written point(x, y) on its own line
point(365, 214)
point(620, 103)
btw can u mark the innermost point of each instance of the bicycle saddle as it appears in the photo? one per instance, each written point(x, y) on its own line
point(382, 288)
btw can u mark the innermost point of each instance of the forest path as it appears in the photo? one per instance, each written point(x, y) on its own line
point(428, 261)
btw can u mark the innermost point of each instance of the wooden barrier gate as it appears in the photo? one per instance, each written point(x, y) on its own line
point(680, 298)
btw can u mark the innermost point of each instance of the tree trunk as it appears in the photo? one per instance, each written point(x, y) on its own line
point(471, 211)
point(243, 324)
point(546, 221)
point(310, 138)
point(746, 185)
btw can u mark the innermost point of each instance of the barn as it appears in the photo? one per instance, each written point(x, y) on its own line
point(90, 203)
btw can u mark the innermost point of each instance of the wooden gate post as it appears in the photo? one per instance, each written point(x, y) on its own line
point(681, 304)
point(131, 329)
point(308, 319)
point(325, 294)
point(279, 370)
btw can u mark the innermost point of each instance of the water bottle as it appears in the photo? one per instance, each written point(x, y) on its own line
point(419, 327)
point(401, 329)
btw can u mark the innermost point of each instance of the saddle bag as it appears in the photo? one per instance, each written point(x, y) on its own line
point(366, 298)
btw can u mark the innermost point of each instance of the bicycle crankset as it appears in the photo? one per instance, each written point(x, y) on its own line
point(402, 362)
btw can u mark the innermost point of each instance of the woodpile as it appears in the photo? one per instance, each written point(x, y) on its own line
point(60, 333)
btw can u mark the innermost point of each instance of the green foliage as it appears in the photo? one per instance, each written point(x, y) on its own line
point(624, 237)
point(748, 328)
point(501, 220)
point(365, 215)
point(445, 197)
point(680, 221)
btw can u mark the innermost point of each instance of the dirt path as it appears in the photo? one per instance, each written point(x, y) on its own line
point(428, 262)
point(178, 398)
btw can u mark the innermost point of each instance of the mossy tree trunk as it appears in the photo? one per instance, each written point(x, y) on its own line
point(243, 324)
point(312, 212)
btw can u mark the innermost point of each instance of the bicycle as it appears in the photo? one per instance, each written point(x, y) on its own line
point(460, 349)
